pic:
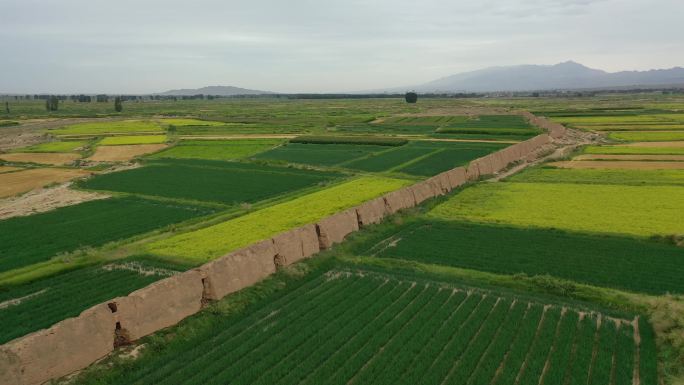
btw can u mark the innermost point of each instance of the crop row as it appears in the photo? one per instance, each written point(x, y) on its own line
point(349, 328)
point(41, 304)
point(39, 237)
point(619, 262)
point(226, 184)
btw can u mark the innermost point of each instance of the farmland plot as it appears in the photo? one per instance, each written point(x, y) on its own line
point(617, 262)
point(217, 240)
point(39, 237)
point(320, 154)
point(633, 210)
point(618, 177)
point(222, 182)
point(115, 127)
point(372, 328)
point(38, 305)
point(217, 149)
point(491, 124)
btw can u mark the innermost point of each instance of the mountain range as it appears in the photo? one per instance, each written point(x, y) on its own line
point(563, 76)
point(568, 75)
point(214, 91)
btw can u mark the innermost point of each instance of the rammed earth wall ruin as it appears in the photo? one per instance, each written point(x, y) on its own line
point(75, 343)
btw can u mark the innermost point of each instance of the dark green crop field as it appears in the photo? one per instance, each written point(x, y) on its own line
point(623, 263)
point(210, 181)
point(41, 304)
point(371, 328)
point(320, 154)
point(450, 155)
point(39, 237)
point(491, 124)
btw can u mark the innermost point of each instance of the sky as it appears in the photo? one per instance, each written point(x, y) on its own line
point(145, 46)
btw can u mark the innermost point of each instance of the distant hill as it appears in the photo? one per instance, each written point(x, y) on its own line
point(566, 75)
point(214, 90)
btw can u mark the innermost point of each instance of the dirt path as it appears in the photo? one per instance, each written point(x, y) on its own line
point(43, 200)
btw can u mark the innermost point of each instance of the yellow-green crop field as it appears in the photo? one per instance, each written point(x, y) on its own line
point(654, 136)
point(217, 149)
point(634, 150)
point(191, 122)
point(214, 241)
point(633, 210)
point(133, 139)
point(115, 127)
point(68, 146)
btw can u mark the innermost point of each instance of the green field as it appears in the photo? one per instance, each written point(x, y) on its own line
point(491, 124)
point(600, 176)
point(41, 304)
point(68, 146)
point(632, 150)
point(633, 210)
point(211, 181)
point(180, 122)
point(617, 262)
point(214, 241)
point(40, 237)
point(217, 149)
point(319, 154)
point(133, 139)
point(424, 158)
point(371, 328)
point(656, 136)
point(113, 127)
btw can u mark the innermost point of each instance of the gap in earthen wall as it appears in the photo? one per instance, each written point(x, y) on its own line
point(121, 337)
point(207, 297)
point(279, 261)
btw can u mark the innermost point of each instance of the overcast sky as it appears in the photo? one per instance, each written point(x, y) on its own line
point(142, 46)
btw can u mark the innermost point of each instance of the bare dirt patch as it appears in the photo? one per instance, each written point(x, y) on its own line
point(124, 153)
point(55, 159)
point(678, 144)
point(629, 157)
point(620, 164)
point(43, 200)
point(14, 183)
point(4, 169)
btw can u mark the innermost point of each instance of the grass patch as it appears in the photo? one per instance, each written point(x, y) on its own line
point(114, 127)
point(632, 210)
point(210, 181)
point(39, 237)
point(217, 149)
point(133, 139)
point(217, 240)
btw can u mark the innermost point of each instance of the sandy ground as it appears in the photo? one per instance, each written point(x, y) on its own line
point(14, 183)
point(677, 144)
point(55, 159)
point(124, 153)
point(42, 200)
point(620, 164)
point(629, 157)
point(8, 169)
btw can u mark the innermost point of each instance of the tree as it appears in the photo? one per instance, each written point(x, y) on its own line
point(52, 103)
point(411, 97)
point(118, 106)
point(7, 107)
